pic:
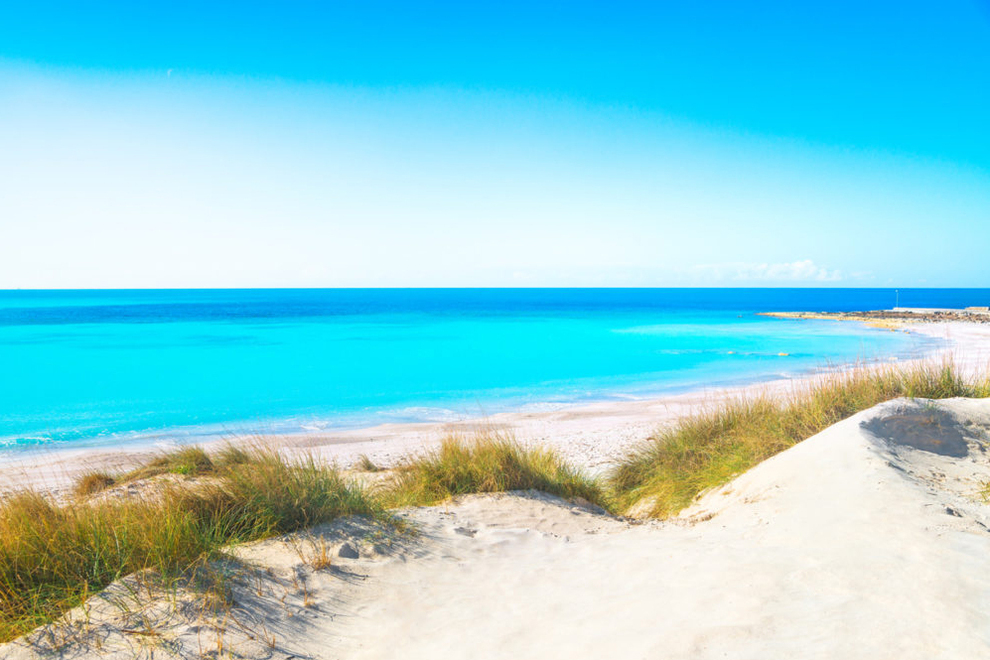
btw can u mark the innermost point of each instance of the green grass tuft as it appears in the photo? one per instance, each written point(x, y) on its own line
point(489, 463)
point(188, 461)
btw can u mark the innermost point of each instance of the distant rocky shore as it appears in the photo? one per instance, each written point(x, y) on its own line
point(895, 318)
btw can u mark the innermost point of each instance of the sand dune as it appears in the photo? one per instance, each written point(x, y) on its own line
point(869, 540)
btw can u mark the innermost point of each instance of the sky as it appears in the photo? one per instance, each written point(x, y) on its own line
point(282, 144)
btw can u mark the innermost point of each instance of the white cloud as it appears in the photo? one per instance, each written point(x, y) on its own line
point(804, 270)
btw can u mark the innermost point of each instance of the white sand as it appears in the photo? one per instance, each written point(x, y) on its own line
point(592, 436)
point(849, 545)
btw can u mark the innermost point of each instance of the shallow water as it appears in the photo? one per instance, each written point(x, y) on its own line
point(84, 368)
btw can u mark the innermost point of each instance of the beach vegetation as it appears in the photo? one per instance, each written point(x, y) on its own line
point(91, 483)
point(490, 462)
point(365, 464)
point(191, 461)
point(54, 555)
point(187, 461)
point(665, 474)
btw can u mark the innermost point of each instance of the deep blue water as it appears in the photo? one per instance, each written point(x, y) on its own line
point(79, 368)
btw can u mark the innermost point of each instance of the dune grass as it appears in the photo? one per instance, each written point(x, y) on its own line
point(186, 461)
point(365, 464)
point(665, 474)
point(93, 482)
point(189, 461)
point(488, 463)
point(52, 556)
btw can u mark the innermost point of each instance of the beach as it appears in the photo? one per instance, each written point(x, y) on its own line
point(866, 540)
point(517, 330)
point(860, 542)
point(591, 436)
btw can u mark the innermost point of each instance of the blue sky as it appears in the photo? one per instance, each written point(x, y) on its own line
point(510, 144)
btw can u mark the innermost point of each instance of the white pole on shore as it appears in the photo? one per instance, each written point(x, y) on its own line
point(897, 298)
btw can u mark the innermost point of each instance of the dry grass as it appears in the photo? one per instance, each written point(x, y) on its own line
point(315, 552)
point(92, 483)
point(53, 556)
point(488, 463)
point(365, 464)
point(188, 461)
point(669, 471)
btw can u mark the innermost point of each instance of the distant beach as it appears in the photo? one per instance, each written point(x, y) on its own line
point(592, 435)
point(120, 369)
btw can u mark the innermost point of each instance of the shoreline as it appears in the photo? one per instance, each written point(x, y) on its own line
point(893, 319)
point(592, 436)
point(778, 366)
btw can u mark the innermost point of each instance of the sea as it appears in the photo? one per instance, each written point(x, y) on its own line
point(109, 368)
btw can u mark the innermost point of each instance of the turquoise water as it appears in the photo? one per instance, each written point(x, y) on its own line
point(85, 368)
